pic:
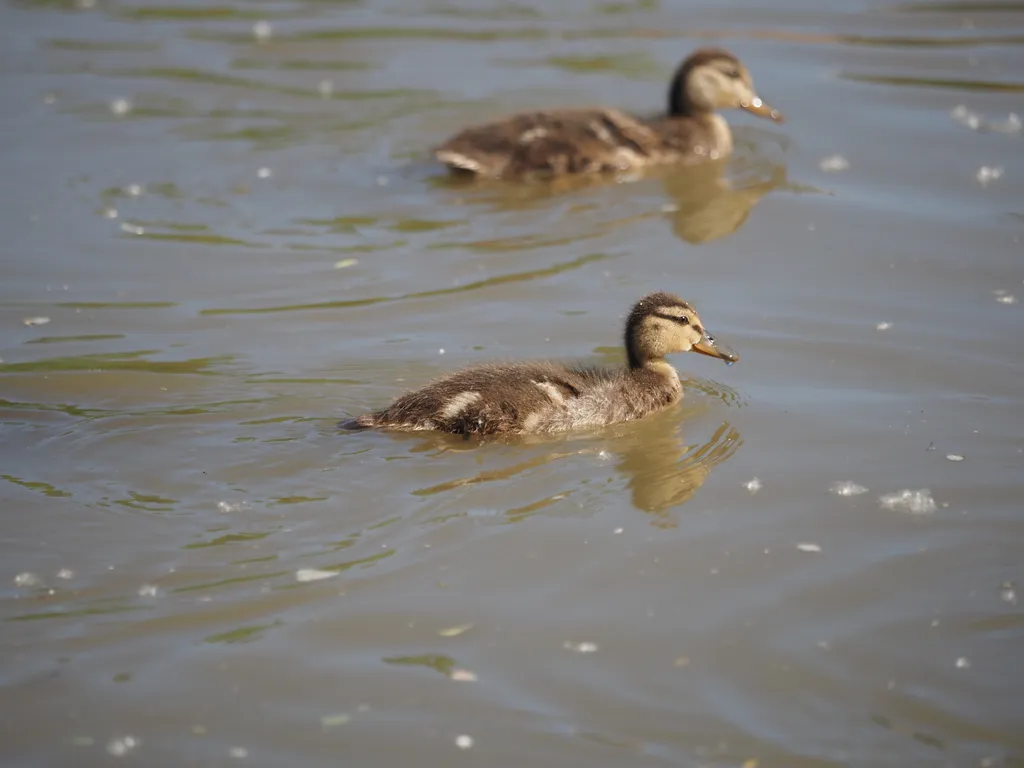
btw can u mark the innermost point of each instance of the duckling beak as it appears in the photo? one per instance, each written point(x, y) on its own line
point(757, 107)
point(708, 346)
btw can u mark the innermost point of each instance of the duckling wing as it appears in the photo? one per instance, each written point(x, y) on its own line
point(551, 143)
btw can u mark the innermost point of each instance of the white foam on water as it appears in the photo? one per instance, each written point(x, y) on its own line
point(120, 107)
point(915, 502)
point(464, 741)
point(584, 647)
point(1008, 593)
point(808, 546)
point(1011, 126)
point(27, 579)
point(312, 574)
point(847, 488)
point(753, 485)
point(1004, 297)
point(122, 745)
point(262, 30)
point(834, 163)
point(148, 590)
point(987, 174)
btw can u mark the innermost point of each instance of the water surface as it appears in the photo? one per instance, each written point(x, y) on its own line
point(227, 215)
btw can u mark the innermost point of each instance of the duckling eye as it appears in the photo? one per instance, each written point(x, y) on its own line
point(732, 73)
point(684, 320)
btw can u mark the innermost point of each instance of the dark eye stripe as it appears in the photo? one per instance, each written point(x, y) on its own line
point(681, 319)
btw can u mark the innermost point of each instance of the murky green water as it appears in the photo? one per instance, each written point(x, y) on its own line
point(236, 242)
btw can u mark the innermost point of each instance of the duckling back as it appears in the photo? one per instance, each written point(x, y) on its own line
point(527, 398)
point(552, 144)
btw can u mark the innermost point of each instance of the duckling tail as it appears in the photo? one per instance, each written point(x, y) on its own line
point(366, 421)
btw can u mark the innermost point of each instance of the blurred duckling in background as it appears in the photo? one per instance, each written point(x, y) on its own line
point(606, 140)
point(546, 397)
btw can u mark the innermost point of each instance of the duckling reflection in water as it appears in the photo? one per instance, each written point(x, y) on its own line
point(607, 140)
point(545, 397)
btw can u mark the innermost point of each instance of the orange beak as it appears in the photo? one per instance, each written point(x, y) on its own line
point(759, 108)
point(708, 346)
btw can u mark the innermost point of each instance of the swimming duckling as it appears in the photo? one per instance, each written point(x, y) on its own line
point(541, 397)
point(602, 140)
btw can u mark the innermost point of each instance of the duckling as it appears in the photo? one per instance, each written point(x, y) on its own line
point(546, 397)
point(603, 140)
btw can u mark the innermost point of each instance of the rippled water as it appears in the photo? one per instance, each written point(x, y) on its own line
point(227, 217)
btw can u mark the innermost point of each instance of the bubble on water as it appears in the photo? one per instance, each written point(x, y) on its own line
point(464, 741)
point(148, 590)
point(808, 546)
point(65, 573)
point(121, 746)
point(584, 647)
point(312, 574)
point(33, 321)
point(262, 30)
point(915, 502)
point(883, 326)
point(326, 88)
point(463, 675)
point(133, 190)
point(987, 174)
point(109, 212)
point(227, 507)
point(27, 579)
point(753, 485)
point(120, 107)
point(132, 229)
point(834, 163)
point(847, 488)
point(963, 663)
point(264, 173)
point(618, 530)
point(954, 457)
point(238, 752)
point(440, 351)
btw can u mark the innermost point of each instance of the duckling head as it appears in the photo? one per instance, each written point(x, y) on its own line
point(710, 79)
point(663, 324)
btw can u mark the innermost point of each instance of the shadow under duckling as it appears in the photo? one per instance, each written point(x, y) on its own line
point(547, 397)
point(607, 140)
